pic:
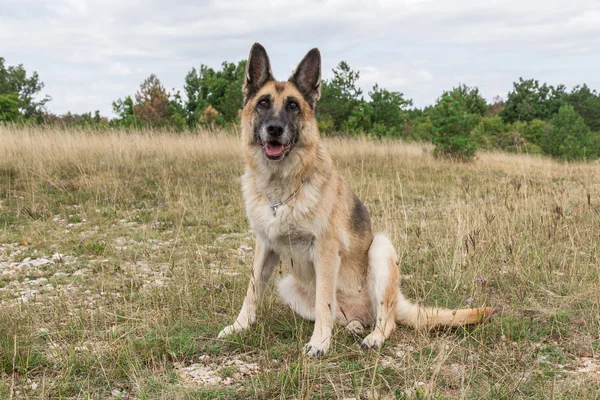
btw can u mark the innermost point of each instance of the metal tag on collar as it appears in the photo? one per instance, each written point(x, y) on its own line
point(282, 203)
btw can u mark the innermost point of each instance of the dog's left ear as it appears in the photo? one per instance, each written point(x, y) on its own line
point(307, 77)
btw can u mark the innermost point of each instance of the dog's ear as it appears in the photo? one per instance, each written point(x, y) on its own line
point(258, 71)
point(307, 77)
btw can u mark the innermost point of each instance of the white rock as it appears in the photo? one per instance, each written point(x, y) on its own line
point(38, 282)
point(29, 292)
point(40, 261)
point(81, 272)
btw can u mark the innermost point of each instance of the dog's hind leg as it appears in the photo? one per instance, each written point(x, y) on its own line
point(297, 297)
point(355, 327)
point(383, 281)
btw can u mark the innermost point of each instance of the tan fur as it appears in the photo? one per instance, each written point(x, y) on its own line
point(337, 273)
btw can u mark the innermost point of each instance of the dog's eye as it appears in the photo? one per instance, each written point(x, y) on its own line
point(293, 105)
point(263, 103)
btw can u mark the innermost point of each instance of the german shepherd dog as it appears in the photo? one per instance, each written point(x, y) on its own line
point(305, 215)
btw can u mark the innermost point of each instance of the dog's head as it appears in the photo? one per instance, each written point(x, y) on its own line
point(278, 117)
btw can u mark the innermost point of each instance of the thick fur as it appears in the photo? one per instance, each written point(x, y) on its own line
point(338, 271)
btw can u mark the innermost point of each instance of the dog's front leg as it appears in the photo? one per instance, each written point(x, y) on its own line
point(327, 265)
point(265, 261)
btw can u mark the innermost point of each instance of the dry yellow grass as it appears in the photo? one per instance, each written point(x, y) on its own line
point(151, 251)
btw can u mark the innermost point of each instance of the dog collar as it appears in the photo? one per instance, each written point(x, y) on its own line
point(282, 203)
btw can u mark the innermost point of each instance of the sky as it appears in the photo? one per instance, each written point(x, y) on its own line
point(92, 52)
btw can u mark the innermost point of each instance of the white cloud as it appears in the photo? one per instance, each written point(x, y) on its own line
point(425, 75)
point(119, 69)
point(588, 20)
point(393, 79)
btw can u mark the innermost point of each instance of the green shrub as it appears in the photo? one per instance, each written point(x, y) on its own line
point(459, 148)
point(9, 107)
point(326, 125)
point(530, 148)
point(453, 125)
point(420, 129)
point(569, 138)
point(490, 133)
point(534, 131)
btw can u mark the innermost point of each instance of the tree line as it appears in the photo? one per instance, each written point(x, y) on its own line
point(535, 118)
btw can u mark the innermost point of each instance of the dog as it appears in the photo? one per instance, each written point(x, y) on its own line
point(305, 215)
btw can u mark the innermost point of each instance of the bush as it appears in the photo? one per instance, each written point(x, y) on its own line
point(380, 130)
point(490, 133)
point(594, 145)
point(326, 125)
point(459, 148)
point(530, 148)
point(569, 138)
point(9, 107)
point(534, 131)
point(420, 129)
point(453, 125)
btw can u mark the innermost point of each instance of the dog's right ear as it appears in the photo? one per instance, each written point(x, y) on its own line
point(258, 71)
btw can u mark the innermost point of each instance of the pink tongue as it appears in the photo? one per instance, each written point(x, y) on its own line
point(273, 150)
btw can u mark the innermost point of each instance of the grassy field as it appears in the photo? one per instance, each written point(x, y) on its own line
point(123, 255)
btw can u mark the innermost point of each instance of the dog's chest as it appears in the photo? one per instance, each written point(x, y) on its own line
point(291, 230)
point(288, 233)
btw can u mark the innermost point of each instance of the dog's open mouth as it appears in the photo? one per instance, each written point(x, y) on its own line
point(274, 150)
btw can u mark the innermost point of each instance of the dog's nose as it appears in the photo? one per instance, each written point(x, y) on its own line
point(275, 129)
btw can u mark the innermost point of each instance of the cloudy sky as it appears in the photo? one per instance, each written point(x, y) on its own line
point(91, 52)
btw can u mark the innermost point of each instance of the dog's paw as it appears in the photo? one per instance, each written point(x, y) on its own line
point(373, 341)
point(316, 349)
point(228, 330)
point(355, 327)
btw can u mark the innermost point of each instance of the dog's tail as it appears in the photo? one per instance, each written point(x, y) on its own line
point(421, 317)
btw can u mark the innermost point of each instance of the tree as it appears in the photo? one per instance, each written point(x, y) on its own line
point(124, 111)
point(153, 107)
point(469, 98)
point(340, 96)
point(491, 133)
point(587, 104)
point(15, 82)
point(534, 131)
point(152, 102)
point(85, 120)
point(177, 119)
point(453, 123)
point(220, 89)
point(9, 107)
point(389, 108)
point(529, 100)
point(383, 115)
point(569, 137)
